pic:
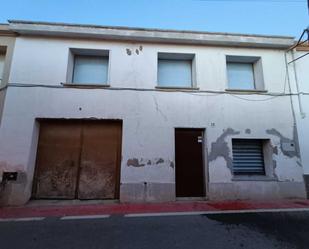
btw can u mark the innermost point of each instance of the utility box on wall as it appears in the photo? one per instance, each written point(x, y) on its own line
point(9, 176)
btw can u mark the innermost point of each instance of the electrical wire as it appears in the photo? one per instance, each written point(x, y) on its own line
point(72, 86)
point(302, 56)
point(204, 93)
point(253, 100)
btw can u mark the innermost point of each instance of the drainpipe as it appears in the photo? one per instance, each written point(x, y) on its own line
point(299, 94)
point(289, 85)
point(292, 104)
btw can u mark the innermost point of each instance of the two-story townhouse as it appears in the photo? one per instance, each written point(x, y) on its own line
point(95, 112)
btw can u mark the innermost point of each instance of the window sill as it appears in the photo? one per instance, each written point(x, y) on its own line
point(254, 178)
point(177, 88)
point(85, 85)
point(246, 90)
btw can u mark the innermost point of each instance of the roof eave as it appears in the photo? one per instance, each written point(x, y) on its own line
point(6, 31)
point(149, 35)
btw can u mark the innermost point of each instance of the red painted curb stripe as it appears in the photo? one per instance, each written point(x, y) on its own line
point(99, 209)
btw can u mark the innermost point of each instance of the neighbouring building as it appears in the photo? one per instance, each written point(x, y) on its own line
point(298, 61)
point(95, 112)
point(7, 40)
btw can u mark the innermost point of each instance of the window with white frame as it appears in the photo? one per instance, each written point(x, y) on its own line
point(175, 70)
point(88, 66)
point(248, 157)
point(244, 73)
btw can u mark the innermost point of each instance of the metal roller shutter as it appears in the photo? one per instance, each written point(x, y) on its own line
point(248, 156)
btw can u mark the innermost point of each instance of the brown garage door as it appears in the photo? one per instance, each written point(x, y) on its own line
point(78, 159)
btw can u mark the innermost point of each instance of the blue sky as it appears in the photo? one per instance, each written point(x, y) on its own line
point(278, 17)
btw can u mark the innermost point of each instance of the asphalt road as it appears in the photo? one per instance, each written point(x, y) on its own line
point(229, 231)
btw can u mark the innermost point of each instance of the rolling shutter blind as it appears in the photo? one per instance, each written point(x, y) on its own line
point(248, 156)
point(90, 69)
point(240, 75)
point(175, 73)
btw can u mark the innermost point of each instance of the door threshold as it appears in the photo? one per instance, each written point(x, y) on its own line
point(191, 198)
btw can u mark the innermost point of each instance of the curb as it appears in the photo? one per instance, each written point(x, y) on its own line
point(151, 208)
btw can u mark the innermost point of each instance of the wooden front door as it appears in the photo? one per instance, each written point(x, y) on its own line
point(78, 159)
point(189, 163)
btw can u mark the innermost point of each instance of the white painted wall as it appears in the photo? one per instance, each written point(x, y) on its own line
point(149, 117)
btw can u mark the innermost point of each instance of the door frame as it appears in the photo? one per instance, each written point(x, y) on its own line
point(204, 160)
point(79, 121)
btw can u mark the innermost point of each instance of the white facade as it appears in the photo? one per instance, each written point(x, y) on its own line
point(150, 115)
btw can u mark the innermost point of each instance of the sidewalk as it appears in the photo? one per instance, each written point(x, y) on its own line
point(142, 208)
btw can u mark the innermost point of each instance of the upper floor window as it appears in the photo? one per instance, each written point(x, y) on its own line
point(2, 59)
point(90, 69)
point(175, 70)
point(244, 73)
point(89, 66)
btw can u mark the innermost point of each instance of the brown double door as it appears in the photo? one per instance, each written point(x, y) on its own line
point(189, 163)
point(78, 159)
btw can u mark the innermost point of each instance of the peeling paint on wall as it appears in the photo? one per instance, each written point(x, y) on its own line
point(141, 162)
point(274, 165)
point(134, 163)
point(137, 50)
point(248, 131)
point(172, 165)
point(129, 52)
point(285, 142)
point(160, 160)
point(220, 148)
point(275, 150)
